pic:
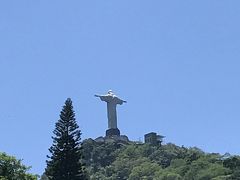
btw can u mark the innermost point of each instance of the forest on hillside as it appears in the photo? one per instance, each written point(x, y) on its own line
point(113, 160)
point(134, 161)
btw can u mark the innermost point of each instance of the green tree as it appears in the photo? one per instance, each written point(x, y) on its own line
point(43, 177)
point(213, 171)
point(166, 175)
point(203, 169)
point(65, 161)
point(232, 163)
point(12, 168)
point(109, 161)
point(144, 170)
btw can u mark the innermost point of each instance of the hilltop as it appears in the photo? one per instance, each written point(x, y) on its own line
point(116, 160)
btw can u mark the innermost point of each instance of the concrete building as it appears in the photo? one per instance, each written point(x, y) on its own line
point(153, 138)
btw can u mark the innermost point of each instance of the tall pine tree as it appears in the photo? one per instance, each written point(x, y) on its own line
point(65, 162)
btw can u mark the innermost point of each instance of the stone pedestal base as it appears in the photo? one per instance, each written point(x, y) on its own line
point(112, 132)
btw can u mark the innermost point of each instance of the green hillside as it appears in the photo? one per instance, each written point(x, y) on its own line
point(135, 161)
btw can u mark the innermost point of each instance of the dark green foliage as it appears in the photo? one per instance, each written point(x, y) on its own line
point(43, 177)
point(13, 169)
point(233, 163)
point(110, 161)
point(102, 156)
point(65, 162)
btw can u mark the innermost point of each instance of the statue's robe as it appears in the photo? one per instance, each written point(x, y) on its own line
point(112, 102)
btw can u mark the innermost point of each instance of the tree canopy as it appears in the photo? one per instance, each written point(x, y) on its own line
point(110, 161)
point(13, 169)
point(65, 161)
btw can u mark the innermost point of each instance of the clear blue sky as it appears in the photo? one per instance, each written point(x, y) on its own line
point(177, 63)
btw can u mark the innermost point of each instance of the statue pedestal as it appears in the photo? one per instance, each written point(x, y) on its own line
point(112, 132)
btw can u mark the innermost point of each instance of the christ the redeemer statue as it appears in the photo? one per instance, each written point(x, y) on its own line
point(112, 100)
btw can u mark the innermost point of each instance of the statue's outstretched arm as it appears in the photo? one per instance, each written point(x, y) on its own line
point(103, 97)
point(120, 101)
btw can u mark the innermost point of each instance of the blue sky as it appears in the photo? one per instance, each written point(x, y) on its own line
point(175, 62)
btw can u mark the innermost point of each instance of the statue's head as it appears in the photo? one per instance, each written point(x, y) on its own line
point(110, 92)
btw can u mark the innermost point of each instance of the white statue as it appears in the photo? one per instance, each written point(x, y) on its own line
point(112, 101)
